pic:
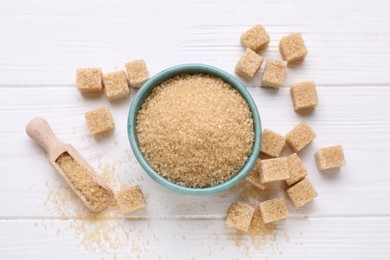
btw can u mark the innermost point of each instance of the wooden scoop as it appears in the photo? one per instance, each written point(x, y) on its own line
point(39, 130)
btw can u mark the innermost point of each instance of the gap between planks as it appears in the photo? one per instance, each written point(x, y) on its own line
point(183, 218)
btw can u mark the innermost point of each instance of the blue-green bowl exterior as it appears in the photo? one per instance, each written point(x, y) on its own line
point(153, 82)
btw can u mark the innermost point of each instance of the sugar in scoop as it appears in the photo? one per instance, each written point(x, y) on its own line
point(76, 171)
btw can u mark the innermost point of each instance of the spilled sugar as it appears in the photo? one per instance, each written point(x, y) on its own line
point(99, 232)
point(108, 234)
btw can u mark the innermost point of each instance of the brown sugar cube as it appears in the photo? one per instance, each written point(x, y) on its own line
point(301, 193)
point(296, 168)
point(271, 143)
point(256, 38)
point(258, 227)
point(253, 176)
point(130, 200)
point(330, 157)
point(304, 96)
point(137, 72)
point(248, 64)
point(274, 170)
point(273, 210)
point(115, 84)
point(240, 216)
point(300, 136)
point(89, 80)
point(100, 121)
point(273, 75)
point(292, 47)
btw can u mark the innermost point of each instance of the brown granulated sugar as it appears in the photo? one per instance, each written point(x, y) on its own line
point(195, 130)
point(82, 180)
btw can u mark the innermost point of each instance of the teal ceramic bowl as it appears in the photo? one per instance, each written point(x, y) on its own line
point(148, 87)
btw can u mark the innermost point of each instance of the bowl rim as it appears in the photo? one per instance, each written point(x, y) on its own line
point(192, 68)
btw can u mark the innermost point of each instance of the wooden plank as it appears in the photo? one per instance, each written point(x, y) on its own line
point(329, 238)
point(45, 43)
point(351, 116)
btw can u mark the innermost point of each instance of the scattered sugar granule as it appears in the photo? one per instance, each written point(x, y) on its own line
point(89, 80)
point(273, 210)
point(115, 85)
point(253, 176)
point(240, 216)
point(101, 232)
point(301, 193)
point(130, 200)
point(100, 121)
point(256, 38)
point(195, 130)
point(272, 143)
point(248, 64)
point(292, 47)
point(82, 180)
point(330, 157)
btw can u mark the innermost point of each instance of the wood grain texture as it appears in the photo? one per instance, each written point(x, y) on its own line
point(333, 238)
point(42, 43)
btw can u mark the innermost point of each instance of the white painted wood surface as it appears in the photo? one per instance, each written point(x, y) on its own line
point(42, 42)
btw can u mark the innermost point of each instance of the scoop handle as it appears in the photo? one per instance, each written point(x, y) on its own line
point(40, 131)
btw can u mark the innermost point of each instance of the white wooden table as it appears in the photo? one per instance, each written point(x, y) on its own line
point(42, 42)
